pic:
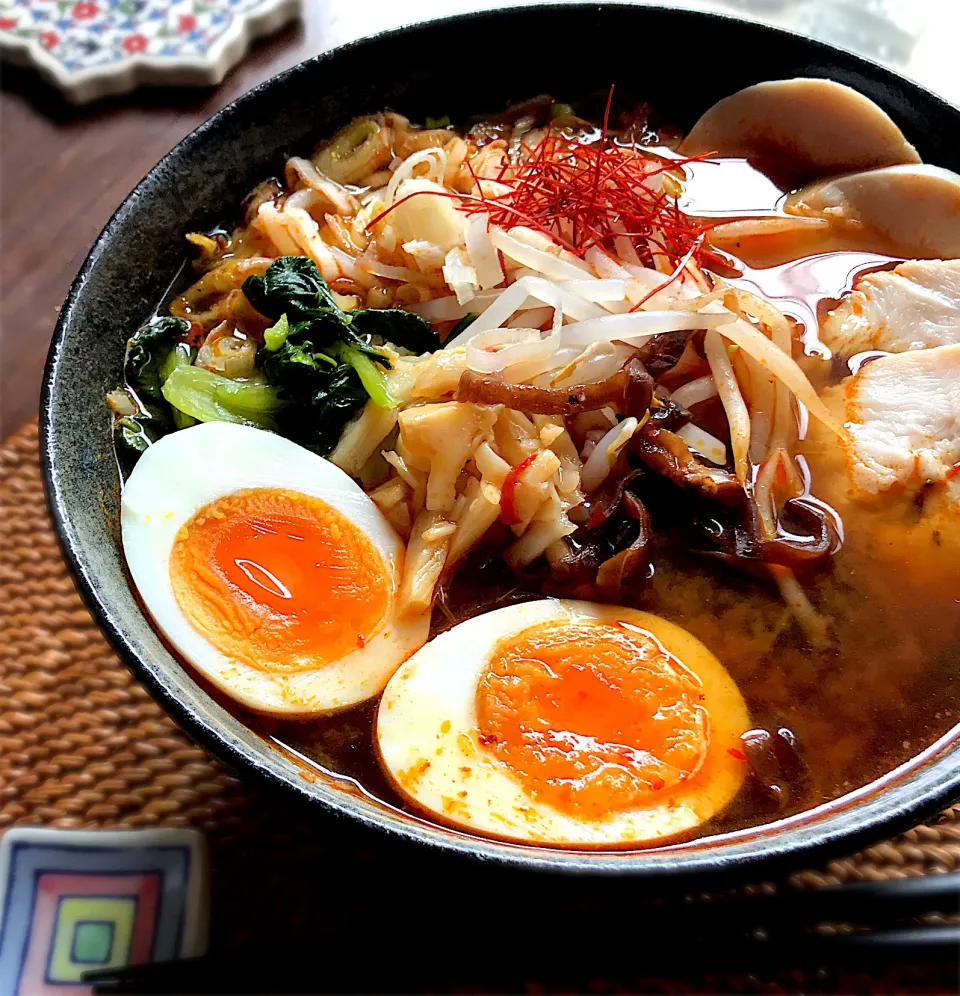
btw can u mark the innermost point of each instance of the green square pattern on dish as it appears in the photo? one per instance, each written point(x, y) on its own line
point(92, 941)
point(90, 930)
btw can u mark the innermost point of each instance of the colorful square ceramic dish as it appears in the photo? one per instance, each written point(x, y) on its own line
point(75, 901)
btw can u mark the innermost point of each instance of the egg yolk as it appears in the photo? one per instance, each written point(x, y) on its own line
point(593, 718)
point(278, 580)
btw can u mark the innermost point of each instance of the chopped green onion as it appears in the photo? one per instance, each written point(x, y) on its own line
point(355, 152)
point(561, 111)
point(441, 122)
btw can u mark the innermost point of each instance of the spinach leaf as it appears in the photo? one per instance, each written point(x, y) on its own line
point(293, 286)
point(315, 420)
point(329, 328)
point(153, 353)
point(371, 375)
point(276, 335)
point(133, 435)
point(147, 354)
point(340, 397)
point(295, 295)
point(321, 389)
point(468, 319)
point(402, 328)
point(286, 343)
point(323, 361)
point(293, 365)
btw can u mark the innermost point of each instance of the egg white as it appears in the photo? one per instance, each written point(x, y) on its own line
point(427, 737)
point(186, 470)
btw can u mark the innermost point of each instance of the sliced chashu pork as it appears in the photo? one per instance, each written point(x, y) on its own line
point(901, 537)
point(916, 305)
point(903, 415)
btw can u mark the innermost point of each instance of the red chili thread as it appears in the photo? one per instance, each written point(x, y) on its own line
point(678, 271)
point(579, 192)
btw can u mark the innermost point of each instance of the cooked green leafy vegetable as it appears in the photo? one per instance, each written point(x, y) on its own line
point(319, 365)
point(276, 335)
point(401, 328)
point(371, 374)
point(293, 286)
point(152, 353)
point(209, 397)
point(324, 360)
point(133, 434)
point(468, 319)
point(321, 392)
point(293, 291)
point(180, 356)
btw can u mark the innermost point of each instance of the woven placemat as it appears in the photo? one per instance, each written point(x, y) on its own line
point(83, 745)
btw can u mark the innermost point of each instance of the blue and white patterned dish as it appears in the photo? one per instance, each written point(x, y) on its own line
point(97, 48)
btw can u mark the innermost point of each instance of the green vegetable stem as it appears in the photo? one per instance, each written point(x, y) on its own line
point(209, 397)
point(325, 361)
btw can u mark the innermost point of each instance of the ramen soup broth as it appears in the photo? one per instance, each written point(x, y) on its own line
point(848, 666)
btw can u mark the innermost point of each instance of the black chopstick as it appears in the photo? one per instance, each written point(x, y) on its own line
point(363, 971)
point(741, 933)
point(867, 902)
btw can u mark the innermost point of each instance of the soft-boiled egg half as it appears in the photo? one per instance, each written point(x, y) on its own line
point(565, 723)
point(267, 568)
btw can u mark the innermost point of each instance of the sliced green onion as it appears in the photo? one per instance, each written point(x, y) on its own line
point(355, 152)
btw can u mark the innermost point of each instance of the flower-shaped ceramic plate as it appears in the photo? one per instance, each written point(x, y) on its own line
point(101, 47)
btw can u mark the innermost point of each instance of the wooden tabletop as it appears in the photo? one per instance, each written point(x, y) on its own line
point(66, 169)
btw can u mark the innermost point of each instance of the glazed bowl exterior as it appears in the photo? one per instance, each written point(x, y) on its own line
point(669, 57)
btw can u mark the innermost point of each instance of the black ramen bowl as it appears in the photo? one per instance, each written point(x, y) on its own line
point(669, 57)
